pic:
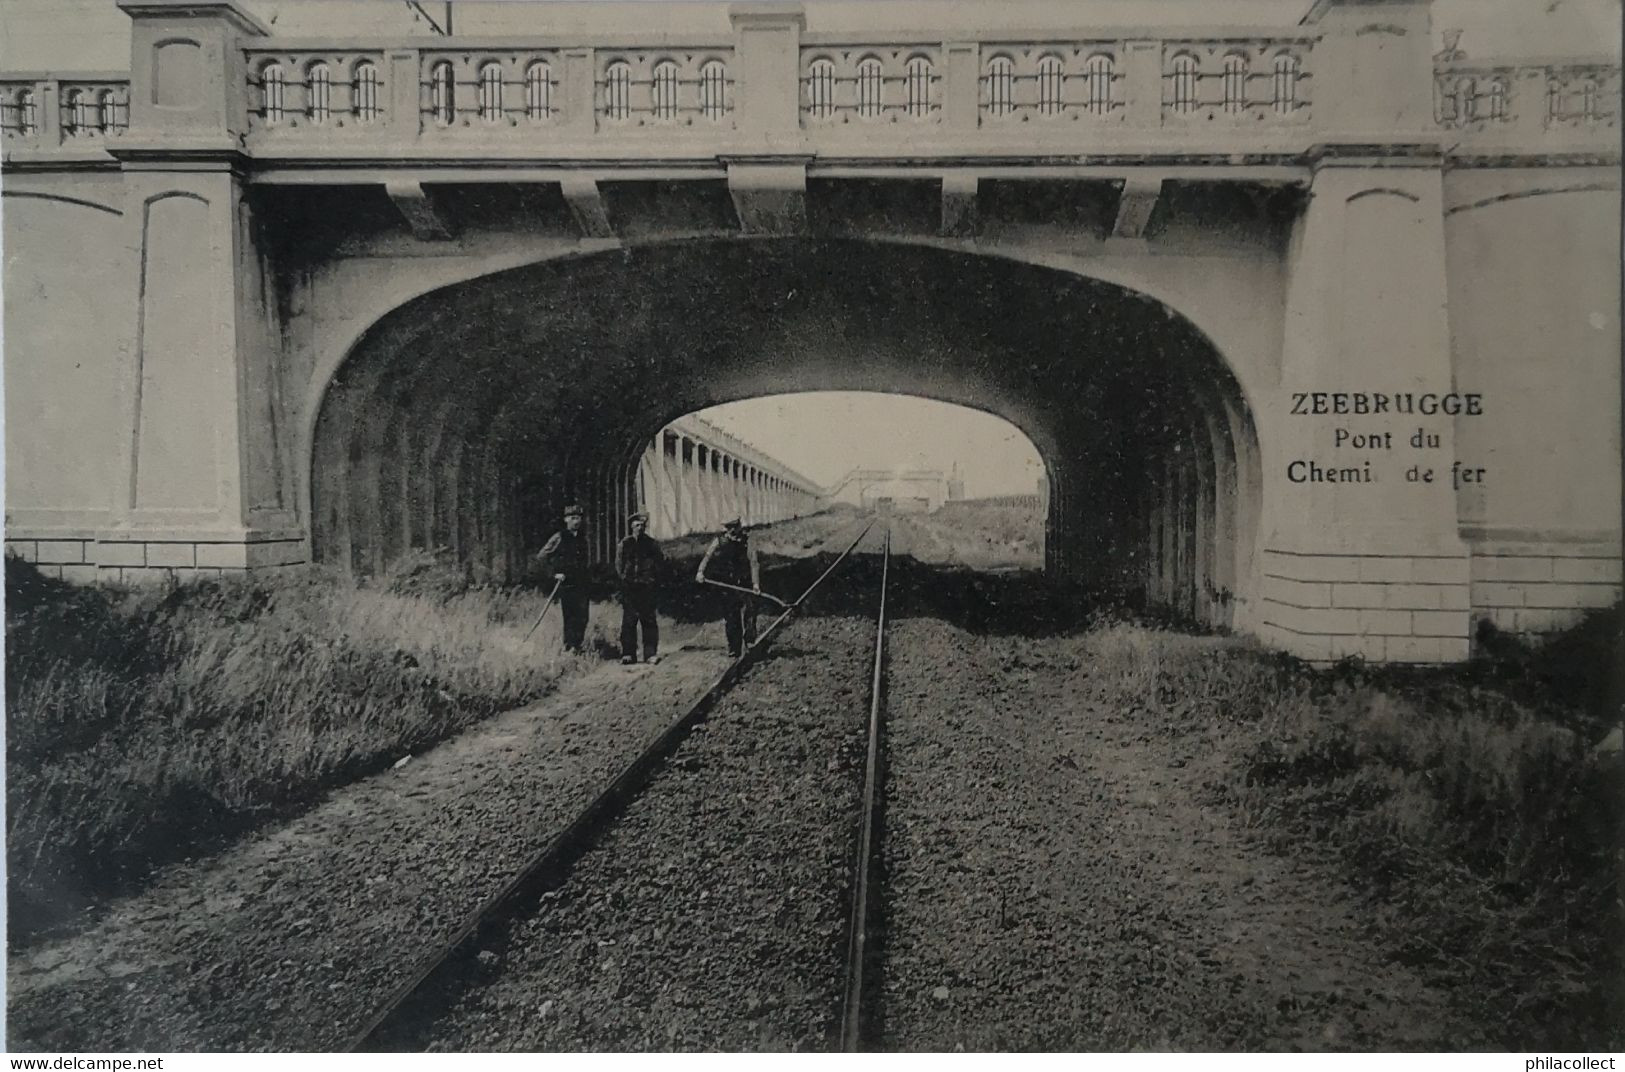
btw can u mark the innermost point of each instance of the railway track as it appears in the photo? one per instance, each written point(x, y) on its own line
point(855, 1022)
point(424, 993)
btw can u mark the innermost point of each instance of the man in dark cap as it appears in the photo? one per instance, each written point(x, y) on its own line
point(732, 560)
point(638, 564)
point(565, 554)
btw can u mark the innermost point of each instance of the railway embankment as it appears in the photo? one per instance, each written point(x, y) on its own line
point(1099, 833)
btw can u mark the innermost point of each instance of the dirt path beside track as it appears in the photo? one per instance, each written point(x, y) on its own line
point(1059, 878)
point(284, 941)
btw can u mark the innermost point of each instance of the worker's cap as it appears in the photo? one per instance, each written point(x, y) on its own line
point(573, 511)
point(733, 525)
point(639, 516)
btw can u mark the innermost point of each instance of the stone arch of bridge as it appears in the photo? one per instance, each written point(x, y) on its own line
point(466, 416)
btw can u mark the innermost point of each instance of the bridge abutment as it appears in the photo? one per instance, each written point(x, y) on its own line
point(203, 477)
point(200, 462)
point(1362, 556)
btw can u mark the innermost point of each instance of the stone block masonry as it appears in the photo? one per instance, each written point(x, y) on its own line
point(1532, 593)
point(155, 561)
point(1424, 608)
point(1382, 608)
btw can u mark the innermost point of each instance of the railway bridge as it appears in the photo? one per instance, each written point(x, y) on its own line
point(1314, 325)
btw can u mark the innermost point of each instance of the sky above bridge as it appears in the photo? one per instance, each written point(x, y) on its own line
point(824, 434)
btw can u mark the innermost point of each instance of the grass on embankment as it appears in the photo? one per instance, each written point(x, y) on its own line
point(798, 538)
point(1465, 804)
point(143, 726)
point(978, 534)
point(966, 533)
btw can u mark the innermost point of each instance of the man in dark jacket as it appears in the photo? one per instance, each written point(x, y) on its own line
point(565, 555)
point(638, 564)
point(732, 560)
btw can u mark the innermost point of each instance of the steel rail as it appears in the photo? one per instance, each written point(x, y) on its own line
point(549, 867)
point(858, 949)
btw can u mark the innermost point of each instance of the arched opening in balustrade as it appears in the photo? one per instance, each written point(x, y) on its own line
point(27, 121)
point(273, 93)
point(76, 113)
point(1284, 87)
point(1466, 101)
point(871, 88)
point(442, 93)
point(490, 95)
point(618, 91)
point(364, 92)
point(663, 91)
point(318, 92)
point(467, 417)
point(999, 95)
point(820, 88)
point(713, 90)
point(538, 91)
point(107, 111)
point(1184, 83)
point(918, 76)
point(1235, 83)
point(1051, 85)
point(1098, 73)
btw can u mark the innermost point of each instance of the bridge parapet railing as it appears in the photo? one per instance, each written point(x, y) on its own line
point(462, 92)
point(664, 89)
point(294, 87)
point(1529, 103)
point(632, 96)
point(871, 83)
point(1238, 81)
point(40, 111)
point(1132, 80)
point(486, 90)
point(470, 89)
point(1050, 82)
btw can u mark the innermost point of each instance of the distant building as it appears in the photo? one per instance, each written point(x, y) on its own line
point(895, 490)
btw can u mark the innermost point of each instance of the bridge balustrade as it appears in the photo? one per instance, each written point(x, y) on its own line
point(1050, 82)
point(664, 89)
point(1237, 81)
point(44, 110)
point(1518, 102)
point(290, 88)
point(1197, 92)
point(871, 83)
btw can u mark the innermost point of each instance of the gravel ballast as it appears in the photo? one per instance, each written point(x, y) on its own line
point(712, 914)
point(1057, 880)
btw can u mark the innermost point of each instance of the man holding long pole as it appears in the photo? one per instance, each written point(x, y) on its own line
point(565, 555)
point(731, 560)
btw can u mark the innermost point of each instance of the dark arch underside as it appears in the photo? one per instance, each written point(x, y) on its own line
point(467, 416)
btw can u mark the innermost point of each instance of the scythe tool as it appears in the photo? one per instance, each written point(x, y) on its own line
point(748, 592)
point(550, 597)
